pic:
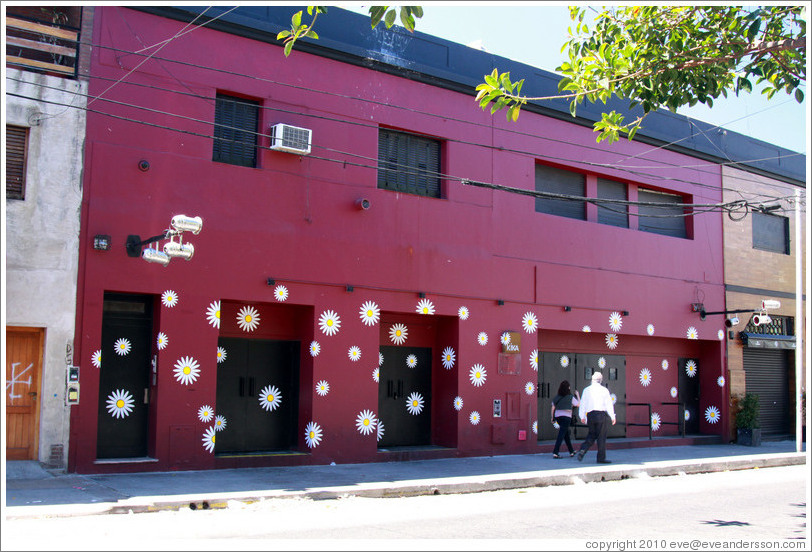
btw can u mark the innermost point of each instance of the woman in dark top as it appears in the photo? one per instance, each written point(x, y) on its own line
point(561, 412)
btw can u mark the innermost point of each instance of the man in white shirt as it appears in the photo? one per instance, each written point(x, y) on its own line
point(596, 406)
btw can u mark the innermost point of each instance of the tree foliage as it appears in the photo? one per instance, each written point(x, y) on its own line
point(669, 56)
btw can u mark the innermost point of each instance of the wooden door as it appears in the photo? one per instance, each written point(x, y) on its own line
point(23, 373)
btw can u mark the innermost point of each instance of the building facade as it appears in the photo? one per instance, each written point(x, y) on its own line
point(367, 266)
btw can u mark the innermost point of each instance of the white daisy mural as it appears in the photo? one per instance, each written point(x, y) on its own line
point(162, 341)
point(664, 364)
point(720, 381)
point(655, 421)
point(424, 306)
point(370, 313)
point(530, 322)
point(270, 398)
point(187, 370)
point(449, 357)
point(95, 358)
point(123, 346)
point(205, 413)
point(586, 329)
point(529, 388)
point(712, 414)
point(169, 298)
point(414, 403)
point(219, 423)
point(457, 403)
point(534, 359)
point(615, 321)
point(281, 293)
point(564, 361)
point(120, 403)
point(411, 361)
point(213, 314)
point(312, 434)
point(315, 348)
point(376, 375)
point(477, 375)
point(379, 430)
point(612, 341)
point(398, 334)
point(601, 363)
point(354, 353)
point(463, 313)
point(474, 417)
point(322, 388)
point(329, 322)
point(690, 368)
point(687, 415)
point(613, 397)
point(645, 377)
point(674, 392)
point(482, 338)
point(365, 422)
point(721, 335)
point(692, 333)
point(248, 319)
point(221, 355)
point(535, 427)
point(208, 439)
point(505, 338)
point(380, 359)
point(650, 329)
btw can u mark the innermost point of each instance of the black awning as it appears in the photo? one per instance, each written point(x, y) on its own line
point(766, 341)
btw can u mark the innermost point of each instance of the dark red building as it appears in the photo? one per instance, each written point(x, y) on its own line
point(376, 298)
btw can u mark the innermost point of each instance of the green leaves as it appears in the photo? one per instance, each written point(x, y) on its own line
point(389, 14)
point(299, 29)
point(502, 92)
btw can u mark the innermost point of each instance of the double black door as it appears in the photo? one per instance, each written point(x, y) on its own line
point(688, 386)
point(405, 372)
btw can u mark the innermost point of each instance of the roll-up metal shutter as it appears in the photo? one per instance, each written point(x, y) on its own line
point(767, 375)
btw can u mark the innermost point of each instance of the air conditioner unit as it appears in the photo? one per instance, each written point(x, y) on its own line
point(290, 139)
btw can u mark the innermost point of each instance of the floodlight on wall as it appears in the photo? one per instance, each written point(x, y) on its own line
point(172, 249)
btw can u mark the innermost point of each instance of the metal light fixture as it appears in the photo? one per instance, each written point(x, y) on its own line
point(101, 242)
point(154, 256)
point(179, 249)
point(182, 223)
point(172, 249)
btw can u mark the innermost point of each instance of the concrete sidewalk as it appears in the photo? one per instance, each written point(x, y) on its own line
point(32, 491)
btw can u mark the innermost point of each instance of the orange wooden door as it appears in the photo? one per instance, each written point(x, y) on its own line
point(23, 370)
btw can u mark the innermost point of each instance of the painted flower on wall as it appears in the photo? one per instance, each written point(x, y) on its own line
point(270, 398)
point(370, 313)
point(564, 361)
point(376, 375)
point(664, 364)
point(615, 321)
point(365, 422)
point(95, 358)
point(692, 333)
point(219, 423)
point(213, 314)
point(169, 298)
point(312, 434)
point(474, 417)
point(379, 430)
point(674, 392)
point(535, 427)
point(530, 322)
point(505, 338)
point(398, 334)
point(162, 341)
point(720, 381)
point(463, 313)
point(601, 363)
point(529, 388)
point(534, 360)
point(424, 306)
point(414, 403)
point(645, 377)
point(187, 370)
point(221, 355)
point(687, 415)
point(329, 322)
point(123, 346)
point(690, 368)
point(650, 329)
point(380, 359)
point(322, 388)
point(586, 329)
point(411, 361)
point(612, 341)
point(208, 439)
point(721, 335)
point(120, 403)
point(482, 338)
point(655, 421)
point(354, 353)
point(205, 413)
point(315, 348)
point(477, 374)
point(457, 403)
point(613, 397)
point(248, 319)
point(281, 293)
point(449, 356)
point(712, 414)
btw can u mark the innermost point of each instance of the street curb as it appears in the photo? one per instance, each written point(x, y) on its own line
point(448, 485)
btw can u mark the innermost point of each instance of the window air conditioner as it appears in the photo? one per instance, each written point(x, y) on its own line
point(290, 139)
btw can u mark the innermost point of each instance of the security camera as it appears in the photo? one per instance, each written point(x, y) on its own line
point(730, 322)
point(363, 204)
point(761, 319)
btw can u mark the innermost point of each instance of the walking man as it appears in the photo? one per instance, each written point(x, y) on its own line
point(595, 409)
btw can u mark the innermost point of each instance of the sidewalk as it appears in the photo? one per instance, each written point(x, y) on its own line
point(32, 491)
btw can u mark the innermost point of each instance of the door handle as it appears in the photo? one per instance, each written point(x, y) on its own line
point(390, 391)
point(33, 395)
point(146, 395)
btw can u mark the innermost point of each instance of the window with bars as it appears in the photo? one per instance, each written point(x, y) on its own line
point(613, 214)
point(667, 217)
point(16, 153)
point(562, 182)
point(408, 163)
point(236, 123)
point(770, 233)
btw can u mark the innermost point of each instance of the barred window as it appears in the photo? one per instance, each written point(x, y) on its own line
point(408, 163)
point(236, 122)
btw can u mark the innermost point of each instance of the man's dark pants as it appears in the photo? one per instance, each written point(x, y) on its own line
point(597, 424)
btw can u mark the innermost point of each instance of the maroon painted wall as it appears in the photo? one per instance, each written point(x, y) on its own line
point(294, 219)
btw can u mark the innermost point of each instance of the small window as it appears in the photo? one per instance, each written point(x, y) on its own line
point(559, 181)
point(613, 214)
point(235, 131)
point(408, 163)
point(666, 217)
point(771, 233)
point(16, 153)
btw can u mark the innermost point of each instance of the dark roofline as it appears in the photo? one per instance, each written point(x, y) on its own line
point(347, 37)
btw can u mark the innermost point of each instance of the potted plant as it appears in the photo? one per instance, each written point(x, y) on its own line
point(748, 432)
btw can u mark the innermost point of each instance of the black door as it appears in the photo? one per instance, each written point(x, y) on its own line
point(688, 383)
point(126, 350)
point(257, 394)
point(405, 379)
point(553, 369)
point(767, 373)
point(613, 369)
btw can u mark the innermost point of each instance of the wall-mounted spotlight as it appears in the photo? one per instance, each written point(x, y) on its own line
point(421, 295)
point(500, 302)
point(172, 249)
point(362, 204)
point(101, 242)
point(567, 308)
point(625, 313)
point(349, 288)
point(732, 321)
point(270, 281)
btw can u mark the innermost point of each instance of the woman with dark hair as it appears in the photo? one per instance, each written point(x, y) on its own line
point(561, 413)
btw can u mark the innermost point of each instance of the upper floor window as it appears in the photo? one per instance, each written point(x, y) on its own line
point(408, 163)
point(562, 182)
point(666, 216)
point(16, 153)
point(770, 233)
point(614, 214)
point(43, 38)
point(236, 123)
